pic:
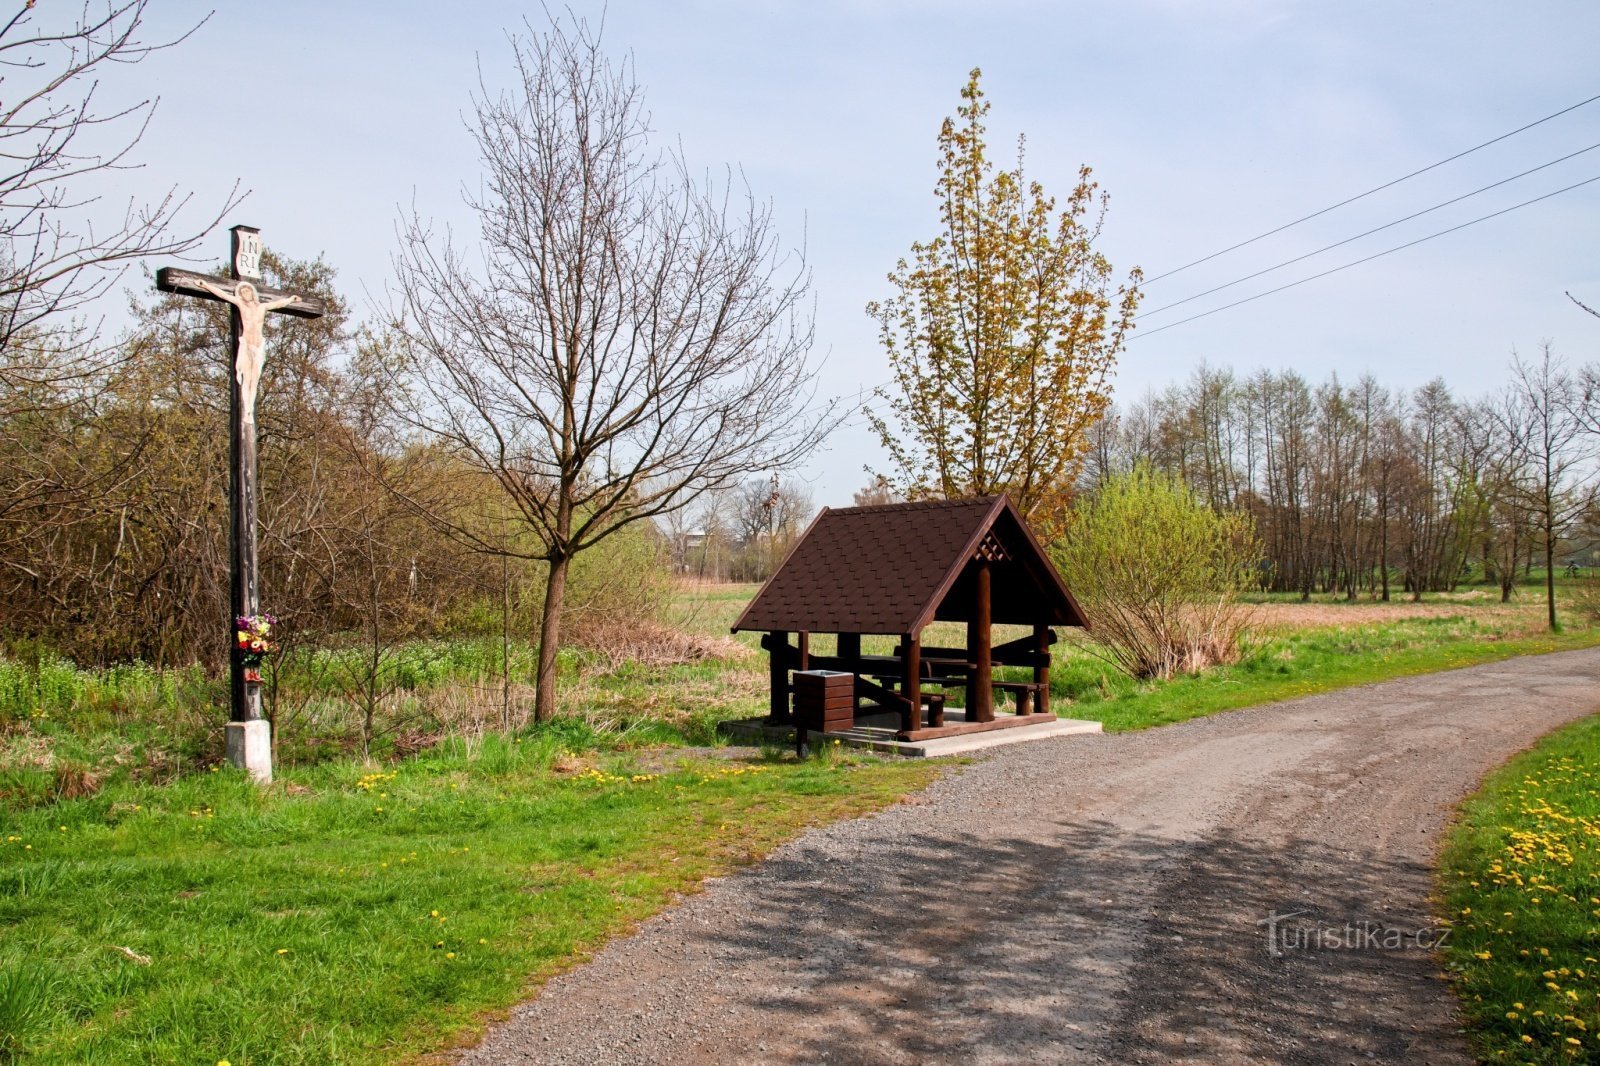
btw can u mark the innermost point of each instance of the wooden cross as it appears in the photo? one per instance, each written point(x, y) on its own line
point(250, 303)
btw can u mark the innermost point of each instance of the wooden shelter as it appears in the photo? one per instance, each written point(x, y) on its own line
point(892, 570)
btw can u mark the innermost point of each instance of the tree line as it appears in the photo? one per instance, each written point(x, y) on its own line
point(1362, 488)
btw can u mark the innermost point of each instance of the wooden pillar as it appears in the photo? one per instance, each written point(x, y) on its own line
point(804, 660)
point(778, 664)
point(850, 650)
point(1041, 666)
point(980, 686)
point(911, 681)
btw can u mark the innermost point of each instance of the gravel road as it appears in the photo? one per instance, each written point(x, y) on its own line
point(1092, 899)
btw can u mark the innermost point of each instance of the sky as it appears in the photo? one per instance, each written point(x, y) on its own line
point(1206, 122)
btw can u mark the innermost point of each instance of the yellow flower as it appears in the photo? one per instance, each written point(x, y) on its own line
point(449, 954)
point(283, 951)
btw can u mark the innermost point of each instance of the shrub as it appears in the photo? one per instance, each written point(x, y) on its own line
point(1586, 599)
point(1157, 573)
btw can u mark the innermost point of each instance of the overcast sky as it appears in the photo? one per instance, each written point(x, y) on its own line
point(1207, 122)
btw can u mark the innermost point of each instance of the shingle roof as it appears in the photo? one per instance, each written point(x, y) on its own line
point(894, 568)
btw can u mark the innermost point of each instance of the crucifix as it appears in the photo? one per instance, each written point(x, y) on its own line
point(249, 737)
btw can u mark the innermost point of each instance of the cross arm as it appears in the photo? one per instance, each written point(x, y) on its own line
point(189, 283)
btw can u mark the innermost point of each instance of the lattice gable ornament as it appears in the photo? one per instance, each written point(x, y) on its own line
point(990, 550)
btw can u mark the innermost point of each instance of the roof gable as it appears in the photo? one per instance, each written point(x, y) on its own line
point(894, 568)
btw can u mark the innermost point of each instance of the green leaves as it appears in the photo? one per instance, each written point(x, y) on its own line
point(1002, 332)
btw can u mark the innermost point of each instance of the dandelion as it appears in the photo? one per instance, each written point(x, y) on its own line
point(449, 954)
point(283, 951)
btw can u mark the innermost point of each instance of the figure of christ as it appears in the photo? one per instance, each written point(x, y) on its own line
point(252, 338)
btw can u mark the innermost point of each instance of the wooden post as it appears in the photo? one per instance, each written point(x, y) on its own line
point(850, 650)
point(1041, 665)
point(804, 661)
point(980, 690)
point(778, 662)
point(911, 681)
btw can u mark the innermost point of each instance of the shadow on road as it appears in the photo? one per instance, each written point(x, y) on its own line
point(1098, 944)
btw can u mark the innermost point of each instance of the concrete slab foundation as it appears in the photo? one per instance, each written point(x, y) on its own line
point(250, 748)
point(876, 732)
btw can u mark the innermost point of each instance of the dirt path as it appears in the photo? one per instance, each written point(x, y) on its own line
point(1092, 899)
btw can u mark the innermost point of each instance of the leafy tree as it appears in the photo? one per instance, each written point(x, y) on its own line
point(1156, 570)
point(1002, 331)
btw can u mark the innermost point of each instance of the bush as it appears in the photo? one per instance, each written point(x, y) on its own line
point(1586, 599)
point(1157, 573)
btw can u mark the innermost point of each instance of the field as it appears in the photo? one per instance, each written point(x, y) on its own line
point(158, 908)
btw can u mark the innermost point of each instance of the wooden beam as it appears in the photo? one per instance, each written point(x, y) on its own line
point(188, 283)
point(962, 728)
point(849, 655)
point(911, 682)
point(980, 696)
point(1043, 637)
point(777, 645)
point(850, 649)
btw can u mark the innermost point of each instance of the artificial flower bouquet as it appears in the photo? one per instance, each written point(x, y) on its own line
point(253, 635)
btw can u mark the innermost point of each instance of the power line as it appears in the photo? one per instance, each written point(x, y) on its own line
point(1369, 192)
point(1368, 233)
point(1368, 259)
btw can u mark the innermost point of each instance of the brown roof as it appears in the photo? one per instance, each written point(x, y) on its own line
point(895, 568)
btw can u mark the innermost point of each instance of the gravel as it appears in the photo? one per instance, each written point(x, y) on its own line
point(1092, 899)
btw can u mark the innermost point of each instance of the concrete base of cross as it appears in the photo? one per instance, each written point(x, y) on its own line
point(250, 748)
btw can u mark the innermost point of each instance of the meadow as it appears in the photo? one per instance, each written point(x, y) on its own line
point(157, 907)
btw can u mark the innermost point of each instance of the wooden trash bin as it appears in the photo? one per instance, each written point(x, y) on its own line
point(824, 700)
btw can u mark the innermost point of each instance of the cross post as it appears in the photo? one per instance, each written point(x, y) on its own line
point(249, 735)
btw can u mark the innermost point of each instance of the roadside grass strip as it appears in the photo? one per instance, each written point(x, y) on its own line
point(366, 914)
point(1288, 665)
point(1520, 881)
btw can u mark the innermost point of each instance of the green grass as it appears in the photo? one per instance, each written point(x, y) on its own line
point(362, 915)
point(1283, 665)
point(1520, 881)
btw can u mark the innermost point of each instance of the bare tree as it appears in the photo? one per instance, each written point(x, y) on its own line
point(626, 337)
point(1538, 416)
point(60, 248)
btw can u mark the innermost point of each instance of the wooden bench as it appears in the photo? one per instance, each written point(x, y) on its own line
point(1025, 692)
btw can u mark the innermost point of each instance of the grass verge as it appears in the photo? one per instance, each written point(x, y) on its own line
point(361, 915)
point(1286, 665)
point(1520, 881)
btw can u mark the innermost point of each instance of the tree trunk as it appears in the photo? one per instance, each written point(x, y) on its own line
point(1550, 560)
point(544, 701)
